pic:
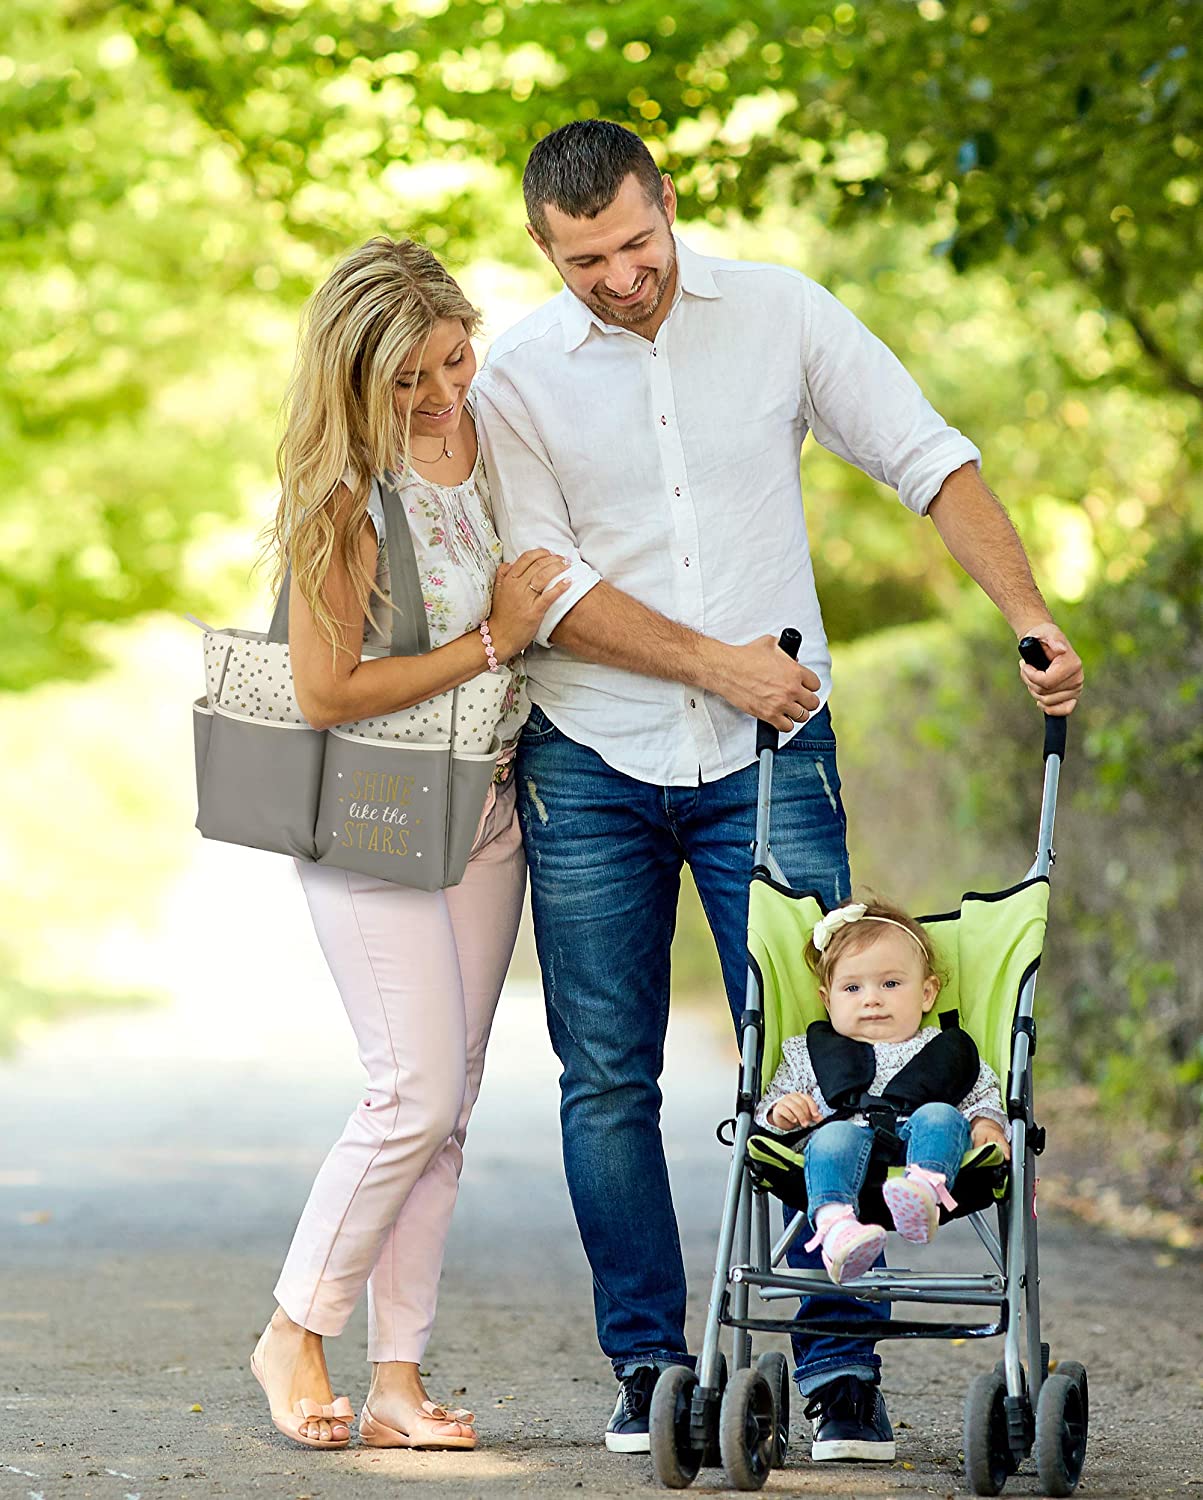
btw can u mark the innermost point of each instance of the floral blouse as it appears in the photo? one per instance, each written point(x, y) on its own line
point(796, 1075)
point(457, 550)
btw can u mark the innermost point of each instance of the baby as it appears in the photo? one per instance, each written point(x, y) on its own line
point(877, 979)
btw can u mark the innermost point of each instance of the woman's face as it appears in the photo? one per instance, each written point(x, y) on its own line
point(433, 392)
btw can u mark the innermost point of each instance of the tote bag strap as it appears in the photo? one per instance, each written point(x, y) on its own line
point(410, 634)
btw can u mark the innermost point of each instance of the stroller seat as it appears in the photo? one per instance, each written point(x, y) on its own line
point(985, 951)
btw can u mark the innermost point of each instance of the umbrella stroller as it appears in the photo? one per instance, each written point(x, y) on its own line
point(990, 950)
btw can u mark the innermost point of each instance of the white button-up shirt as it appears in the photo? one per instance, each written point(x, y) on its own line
point(671, 470)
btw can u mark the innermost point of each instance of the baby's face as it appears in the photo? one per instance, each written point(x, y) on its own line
point(880, 994)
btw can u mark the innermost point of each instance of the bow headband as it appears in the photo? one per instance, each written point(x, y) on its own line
point(843, 916)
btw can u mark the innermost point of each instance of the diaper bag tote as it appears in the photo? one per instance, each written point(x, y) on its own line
point(399, 797)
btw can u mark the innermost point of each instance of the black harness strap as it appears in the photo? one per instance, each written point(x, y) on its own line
point(943, 1072)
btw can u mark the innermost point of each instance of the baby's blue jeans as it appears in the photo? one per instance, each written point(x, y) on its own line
point(837, 1154)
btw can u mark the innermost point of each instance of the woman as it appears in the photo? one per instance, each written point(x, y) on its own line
point(381, 387)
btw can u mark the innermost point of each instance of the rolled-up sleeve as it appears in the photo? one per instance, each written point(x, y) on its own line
point(862, 404)
point(528, 505)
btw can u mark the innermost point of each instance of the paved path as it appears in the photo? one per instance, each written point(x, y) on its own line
point(151, 1169)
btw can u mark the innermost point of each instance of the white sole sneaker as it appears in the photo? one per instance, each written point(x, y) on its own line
point(629, 1442)
point(844, 1450)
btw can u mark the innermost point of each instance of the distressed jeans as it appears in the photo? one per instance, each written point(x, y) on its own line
point(605, 853)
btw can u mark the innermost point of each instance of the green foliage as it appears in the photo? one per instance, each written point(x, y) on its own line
point(175, 178)
point(1071, 131)
point(133, 341)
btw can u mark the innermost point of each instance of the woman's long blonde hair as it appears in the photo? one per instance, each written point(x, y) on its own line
point(376, 308)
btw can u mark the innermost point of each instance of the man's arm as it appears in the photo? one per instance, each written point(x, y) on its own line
point(600, 623)
point(611, 627)
point(899, 439)
point(978, 532)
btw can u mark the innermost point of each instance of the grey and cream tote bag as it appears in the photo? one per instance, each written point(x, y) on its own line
point(399, 797)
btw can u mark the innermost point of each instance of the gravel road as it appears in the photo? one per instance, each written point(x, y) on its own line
point(151, 1169)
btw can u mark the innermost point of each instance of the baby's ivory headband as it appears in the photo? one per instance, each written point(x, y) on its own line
point(843, 916)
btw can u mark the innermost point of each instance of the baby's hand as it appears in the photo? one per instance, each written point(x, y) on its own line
point(986, 1132)
point(795, 1112)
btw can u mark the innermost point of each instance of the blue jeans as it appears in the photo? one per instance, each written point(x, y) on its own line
point(605, 853)
point(837, 1153)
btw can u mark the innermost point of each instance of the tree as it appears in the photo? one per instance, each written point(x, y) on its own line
point(175, 177)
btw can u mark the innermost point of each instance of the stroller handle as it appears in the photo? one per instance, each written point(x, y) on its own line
point(767, 737)
point(1031, 648)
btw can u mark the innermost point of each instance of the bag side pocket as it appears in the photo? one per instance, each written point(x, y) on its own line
point(202, 727)
point(471, 777)
point(260, 784)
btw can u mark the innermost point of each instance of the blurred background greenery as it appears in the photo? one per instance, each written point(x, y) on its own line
point(1007, 194)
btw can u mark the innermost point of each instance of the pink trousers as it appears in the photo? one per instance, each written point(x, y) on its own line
point(419, 973)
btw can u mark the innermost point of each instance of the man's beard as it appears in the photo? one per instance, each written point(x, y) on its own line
point(631, 318)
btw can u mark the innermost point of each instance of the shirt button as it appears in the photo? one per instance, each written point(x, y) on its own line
point(663, 421)
point(677, 491)
point(686, 562)
point(693, 703)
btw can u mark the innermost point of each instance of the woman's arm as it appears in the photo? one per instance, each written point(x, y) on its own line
point(335, 687)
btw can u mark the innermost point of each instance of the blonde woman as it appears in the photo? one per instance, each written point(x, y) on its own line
point(381, 388)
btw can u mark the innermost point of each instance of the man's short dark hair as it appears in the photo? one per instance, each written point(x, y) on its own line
point(580, 168)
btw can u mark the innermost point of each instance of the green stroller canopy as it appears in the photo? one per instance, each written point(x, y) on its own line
point(984, 952)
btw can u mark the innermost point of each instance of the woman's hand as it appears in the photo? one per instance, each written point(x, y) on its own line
point(986, 1132)
point(522, 596)
point(795, 1112)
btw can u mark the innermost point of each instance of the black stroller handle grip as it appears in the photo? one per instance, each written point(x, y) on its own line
point(1031, 648)
point(767, 736)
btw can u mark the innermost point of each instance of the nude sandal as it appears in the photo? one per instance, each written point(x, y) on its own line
point(339, 1413)
point(379, 1435)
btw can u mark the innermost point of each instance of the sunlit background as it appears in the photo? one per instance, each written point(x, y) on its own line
point(1011, 201)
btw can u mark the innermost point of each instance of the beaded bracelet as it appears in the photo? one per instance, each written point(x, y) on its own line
point(494, 665)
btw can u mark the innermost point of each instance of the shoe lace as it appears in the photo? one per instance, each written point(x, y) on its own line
point(845, 1397)
point(637, 1390)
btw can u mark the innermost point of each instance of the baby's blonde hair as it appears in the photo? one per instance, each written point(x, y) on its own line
point(378, 306)
point(854, 937)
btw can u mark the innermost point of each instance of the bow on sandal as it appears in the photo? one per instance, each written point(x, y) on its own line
point(338, 1413)
point(378, 1434)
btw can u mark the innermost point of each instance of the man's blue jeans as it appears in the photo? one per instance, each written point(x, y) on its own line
point(837, 1154)
point(605, 853)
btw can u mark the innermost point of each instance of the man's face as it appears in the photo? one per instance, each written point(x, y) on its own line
point(621, 264)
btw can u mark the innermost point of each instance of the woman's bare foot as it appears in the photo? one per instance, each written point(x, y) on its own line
point(291, 1365)
point(399, 1401)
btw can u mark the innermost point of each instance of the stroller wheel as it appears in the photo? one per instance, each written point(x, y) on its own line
point(775, 1369)
point(675, 1462)
point(1061, 1418)
point(987, 1452)
point(1076, 1372)
point(747, 1429)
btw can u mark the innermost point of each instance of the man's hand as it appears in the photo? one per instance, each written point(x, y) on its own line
point(759, 679)
point(1057, 689)
point(795, 1112)
point(989, 1132)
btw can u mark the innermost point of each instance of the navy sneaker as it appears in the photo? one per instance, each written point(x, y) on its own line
point(850, 1423)
point(627, 1431)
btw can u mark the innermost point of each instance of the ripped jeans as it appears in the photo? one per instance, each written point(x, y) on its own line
point(605, 853)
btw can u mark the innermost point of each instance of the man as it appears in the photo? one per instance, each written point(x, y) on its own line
point(646, 423)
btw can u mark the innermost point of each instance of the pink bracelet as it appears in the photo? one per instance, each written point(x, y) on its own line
point(494, 665)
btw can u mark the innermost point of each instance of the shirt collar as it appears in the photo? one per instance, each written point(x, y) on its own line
point(694, 279)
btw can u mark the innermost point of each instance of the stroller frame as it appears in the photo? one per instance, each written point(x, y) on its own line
point(699, 1418)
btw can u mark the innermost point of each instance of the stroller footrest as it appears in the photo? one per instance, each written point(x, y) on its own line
point(869, 1328)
